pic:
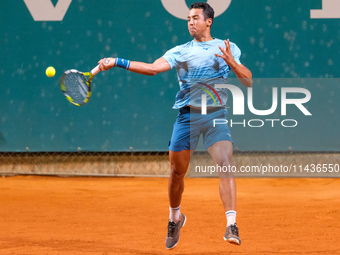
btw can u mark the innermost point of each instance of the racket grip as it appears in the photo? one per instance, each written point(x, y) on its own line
point(95, 70)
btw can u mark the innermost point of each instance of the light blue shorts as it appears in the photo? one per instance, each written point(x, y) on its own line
point(190, 124)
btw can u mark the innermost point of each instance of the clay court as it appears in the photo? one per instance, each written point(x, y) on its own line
point(57, 215)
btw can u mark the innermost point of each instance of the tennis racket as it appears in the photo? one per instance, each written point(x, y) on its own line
point(76, 85)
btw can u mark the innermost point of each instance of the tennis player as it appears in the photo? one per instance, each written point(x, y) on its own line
point(209, 59)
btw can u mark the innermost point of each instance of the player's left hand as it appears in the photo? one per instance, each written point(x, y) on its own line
point(227, 55)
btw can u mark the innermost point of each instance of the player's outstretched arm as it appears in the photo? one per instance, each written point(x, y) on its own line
point(159, 66)
point(242, 72)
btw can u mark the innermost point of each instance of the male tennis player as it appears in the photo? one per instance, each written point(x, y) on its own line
point(203, 58)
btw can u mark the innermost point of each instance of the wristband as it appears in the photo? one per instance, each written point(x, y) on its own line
point(123, 63)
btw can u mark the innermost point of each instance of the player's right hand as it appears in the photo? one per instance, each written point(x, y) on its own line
point(106, 63)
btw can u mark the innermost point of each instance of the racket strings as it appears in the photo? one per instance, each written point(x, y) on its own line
point(76, 87)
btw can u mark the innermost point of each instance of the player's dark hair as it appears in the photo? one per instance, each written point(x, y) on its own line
point(208, 11)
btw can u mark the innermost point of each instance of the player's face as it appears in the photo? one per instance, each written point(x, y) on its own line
point(197, 24)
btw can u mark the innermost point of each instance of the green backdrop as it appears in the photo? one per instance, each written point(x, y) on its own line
point(278, 39)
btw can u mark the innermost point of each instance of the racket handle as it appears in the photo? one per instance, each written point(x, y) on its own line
point(96, 69)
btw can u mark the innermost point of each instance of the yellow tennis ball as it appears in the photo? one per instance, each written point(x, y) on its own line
point(50, 71)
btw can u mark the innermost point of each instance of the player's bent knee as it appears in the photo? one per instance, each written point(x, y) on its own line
point(224, 163)
point(227, 169)
point(177, 173)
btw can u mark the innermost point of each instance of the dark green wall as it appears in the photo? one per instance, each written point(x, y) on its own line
point(278, 39)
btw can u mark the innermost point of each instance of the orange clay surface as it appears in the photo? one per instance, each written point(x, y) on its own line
point(56, 215)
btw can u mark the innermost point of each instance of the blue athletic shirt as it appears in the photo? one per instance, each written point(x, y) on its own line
point(197, 66)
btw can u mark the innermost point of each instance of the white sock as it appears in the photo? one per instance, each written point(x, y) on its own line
point(175, 214)
point(231, 217)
